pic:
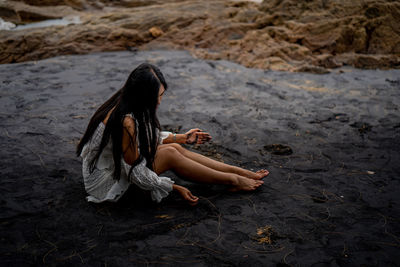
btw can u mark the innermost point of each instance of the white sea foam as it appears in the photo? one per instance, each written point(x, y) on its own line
point(5, 25)
point(45, 23)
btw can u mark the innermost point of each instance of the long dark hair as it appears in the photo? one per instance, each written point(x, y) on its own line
point(139, 96)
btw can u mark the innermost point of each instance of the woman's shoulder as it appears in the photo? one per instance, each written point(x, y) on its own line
point(129, 122)
point(105, 120)
point(129, 115)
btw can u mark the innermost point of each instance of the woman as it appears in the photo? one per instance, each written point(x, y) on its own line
point(123, 145)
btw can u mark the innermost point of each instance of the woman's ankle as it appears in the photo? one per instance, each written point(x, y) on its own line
point(235, 180)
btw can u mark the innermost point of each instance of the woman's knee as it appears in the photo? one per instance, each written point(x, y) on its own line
point(170, 152)
point(178, 147)
point(173, 158)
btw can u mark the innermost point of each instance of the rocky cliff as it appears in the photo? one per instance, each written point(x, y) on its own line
point(306, 35)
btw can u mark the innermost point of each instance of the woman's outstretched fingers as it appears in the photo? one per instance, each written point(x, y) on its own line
point(203, 137)
point(197, 136)
point(187, 195)
point(192, 200)
point(192, 136)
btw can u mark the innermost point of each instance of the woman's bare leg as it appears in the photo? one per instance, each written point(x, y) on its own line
point(169, 158)
point(216, 165)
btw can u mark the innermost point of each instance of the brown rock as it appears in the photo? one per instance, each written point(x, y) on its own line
point(292, 35)
point(155, 32)
point(20, 13)
point(326, 61)
point(369, 61)
point(78, 4)
point(312, 69)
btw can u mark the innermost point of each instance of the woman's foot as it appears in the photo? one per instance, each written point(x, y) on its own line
point(262, 173)
point(255, 175)
point(245, 184)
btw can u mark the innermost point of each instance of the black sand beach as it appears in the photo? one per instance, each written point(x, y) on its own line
point(330, 142)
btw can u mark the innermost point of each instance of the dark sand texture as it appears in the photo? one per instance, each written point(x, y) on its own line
point(331, 143)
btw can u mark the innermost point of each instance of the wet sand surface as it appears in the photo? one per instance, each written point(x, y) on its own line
point(331, 143)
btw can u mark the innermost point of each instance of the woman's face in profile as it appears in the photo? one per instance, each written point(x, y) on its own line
point(160, 94)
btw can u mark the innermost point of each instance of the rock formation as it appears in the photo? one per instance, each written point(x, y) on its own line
point(313, 35)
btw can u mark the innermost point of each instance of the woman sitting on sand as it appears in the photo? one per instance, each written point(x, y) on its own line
point(123, 144)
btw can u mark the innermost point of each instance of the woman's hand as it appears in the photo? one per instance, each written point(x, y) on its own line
point(186, 194)
point(197, 136)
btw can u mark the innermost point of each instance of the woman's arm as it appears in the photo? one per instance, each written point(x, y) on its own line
point(146, 179)
point(194, 136)
point(129, 145)
point(141, 175)
point(186, 194)
point(175, 138)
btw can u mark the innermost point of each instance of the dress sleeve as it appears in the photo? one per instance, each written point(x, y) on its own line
point(146, 179)
point(162, 135)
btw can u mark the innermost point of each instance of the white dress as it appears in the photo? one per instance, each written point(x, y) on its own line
point(100, 184)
